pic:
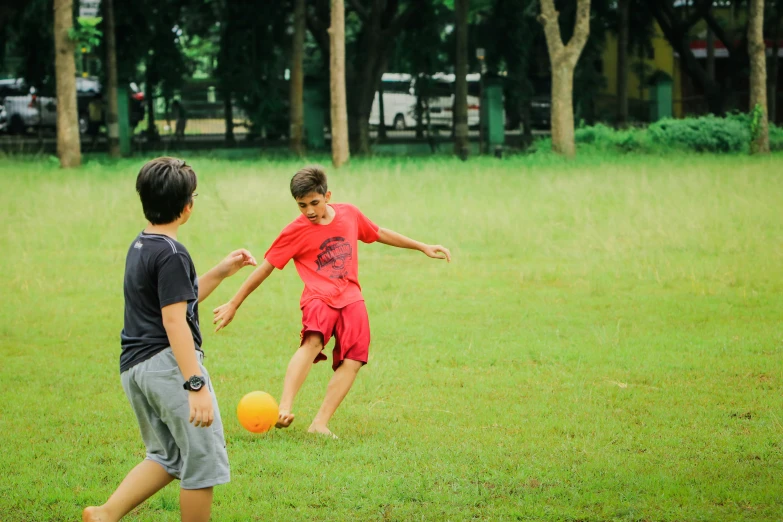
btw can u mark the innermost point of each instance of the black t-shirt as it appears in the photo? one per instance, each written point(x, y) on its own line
point(158, 272)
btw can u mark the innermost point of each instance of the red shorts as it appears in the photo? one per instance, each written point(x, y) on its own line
point(349, 325)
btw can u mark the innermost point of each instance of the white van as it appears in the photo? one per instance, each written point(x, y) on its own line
point(399, 102)
point(441, 101)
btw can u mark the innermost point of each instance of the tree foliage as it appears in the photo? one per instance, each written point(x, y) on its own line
point(244, 46)
point(28, 38)
point(252, 61)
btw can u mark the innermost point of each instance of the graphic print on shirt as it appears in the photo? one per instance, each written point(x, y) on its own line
point(335, 251)
point(192, 314)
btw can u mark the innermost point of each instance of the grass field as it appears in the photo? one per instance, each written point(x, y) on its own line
point(606, 344)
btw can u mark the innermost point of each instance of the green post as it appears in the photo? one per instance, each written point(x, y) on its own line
point(661, 97)
point(314, 115)
point(123, 117)
point(493, 114)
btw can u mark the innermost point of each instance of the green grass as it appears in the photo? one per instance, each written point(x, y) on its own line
point(606, 344)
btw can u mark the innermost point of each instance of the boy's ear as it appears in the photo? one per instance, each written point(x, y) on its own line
point(328, 196)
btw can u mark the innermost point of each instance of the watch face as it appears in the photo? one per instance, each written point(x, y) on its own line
point(196, 383)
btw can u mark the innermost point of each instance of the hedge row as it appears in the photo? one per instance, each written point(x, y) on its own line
point(704, 134)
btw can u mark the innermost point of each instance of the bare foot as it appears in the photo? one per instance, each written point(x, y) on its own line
point(94, 514)
point(284, 420)
point(321, 430)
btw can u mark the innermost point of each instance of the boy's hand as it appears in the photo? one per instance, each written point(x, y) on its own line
point(234, 261)
point(223, 315)
point(437, 252)
point(201, 411)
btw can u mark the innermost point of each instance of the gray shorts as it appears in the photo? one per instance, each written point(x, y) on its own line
point(196, 456)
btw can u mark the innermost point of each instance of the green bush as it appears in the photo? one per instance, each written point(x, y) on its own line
point(712, 134)
point(775, 132)
point(775, 137)
point(603, 137)
point(705, 134)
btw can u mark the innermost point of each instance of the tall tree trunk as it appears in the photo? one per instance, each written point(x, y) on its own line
point(624, 9)
point(297, 80)
point(758, 74)
point(362, 88)
point(380, 26)
point(738, 57)
point(710, 54)
point(340, 151)
point(772, 88)
point(359, 130)
point(381, 113)
point(68, 143)
point(431, 136)
point(563, 136)
point(526, 118)
point(152, 128)
point(774, 68)
point(9, 9)
point(228, 115)
point(419, 110)
point(365, 79)
point(461, 146)
point(363, 85)
point(112, 114)
point(563, 59)
point(642, 74)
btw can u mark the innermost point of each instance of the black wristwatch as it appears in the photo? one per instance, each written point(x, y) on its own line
point(195, 383)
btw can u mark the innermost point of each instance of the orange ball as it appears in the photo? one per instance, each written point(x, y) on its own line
point(257, 412)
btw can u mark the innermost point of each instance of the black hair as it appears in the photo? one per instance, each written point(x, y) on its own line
point(165, 186)
point(309, 179)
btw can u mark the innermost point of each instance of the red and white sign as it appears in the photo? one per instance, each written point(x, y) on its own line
point(699, 48)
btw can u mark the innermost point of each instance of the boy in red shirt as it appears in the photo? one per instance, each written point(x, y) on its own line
point(322, 242)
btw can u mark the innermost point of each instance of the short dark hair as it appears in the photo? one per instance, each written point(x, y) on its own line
point(165, 185)
point(309, 179)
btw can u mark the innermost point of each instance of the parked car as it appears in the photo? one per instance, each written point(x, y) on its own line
point(87, 88)
point(399, 102)
point(26, 109)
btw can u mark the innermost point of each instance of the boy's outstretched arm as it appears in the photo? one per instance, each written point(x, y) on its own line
point(226, 268)
point(224, 314)
point(392, 238)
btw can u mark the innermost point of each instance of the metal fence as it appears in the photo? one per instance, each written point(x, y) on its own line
point(204, 116)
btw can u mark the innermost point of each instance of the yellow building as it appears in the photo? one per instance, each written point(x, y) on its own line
point(662, 59)
point(687, 98)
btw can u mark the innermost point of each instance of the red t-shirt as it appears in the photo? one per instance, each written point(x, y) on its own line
point(325, 255)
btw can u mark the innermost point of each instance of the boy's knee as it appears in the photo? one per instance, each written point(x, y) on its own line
point(351, 365)
point(313, 341)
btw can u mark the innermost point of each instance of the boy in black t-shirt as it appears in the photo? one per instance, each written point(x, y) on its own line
point(161, 360)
